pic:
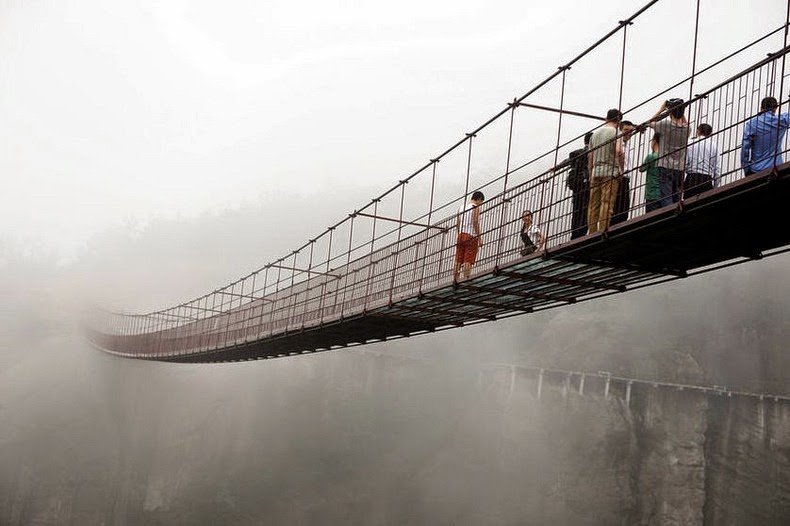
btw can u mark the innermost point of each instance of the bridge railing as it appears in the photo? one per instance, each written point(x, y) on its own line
point(388, 251)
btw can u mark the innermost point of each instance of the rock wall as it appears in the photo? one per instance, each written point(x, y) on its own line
point(666, 456)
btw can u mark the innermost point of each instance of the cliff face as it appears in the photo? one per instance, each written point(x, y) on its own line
point(666, 457)
point(368, 438)
point(424, 431)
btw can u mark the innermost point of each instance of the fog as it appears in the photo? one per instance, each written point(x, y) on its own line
point(388, 433)
point(156, 150)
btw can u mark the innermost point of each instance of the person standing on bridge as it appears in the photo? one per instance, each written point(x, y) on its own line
point(702, 163)
point(578, 182)
point(674, 130)
point(469, 241)
point(605, 165)
point(622, 202)
point(652, 185)
point(762, 138)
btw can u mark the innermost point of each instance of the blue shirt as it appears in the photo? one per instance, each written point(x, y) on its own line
point(762, 141)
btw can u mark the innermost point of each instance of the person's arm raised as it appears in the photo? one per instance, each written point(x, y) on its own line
point(657, 115)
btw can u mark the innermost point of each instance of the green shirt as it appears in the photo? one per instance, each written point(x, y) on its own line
point(602, 149)
point(652, 186)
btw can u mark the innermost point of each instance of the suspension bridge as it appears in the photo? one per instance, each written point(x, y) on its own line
point(386, 270)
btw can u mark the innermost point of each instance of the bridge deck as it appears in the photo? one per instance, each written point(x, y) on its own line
point(735, 223)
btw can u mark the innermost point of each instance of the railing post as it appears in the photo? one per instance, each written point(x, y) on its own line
point(214, 321)
point(259, 328)
point(371, 264)
point(606, 386)
point(428, 234)
point(782, 83)
point(326, 278)
point(682, 188)
point(397, 243)
point(628, 393)
point(306, 304)
point(348, 268)
point(624, 24)
point(250, 308)
point(547, 222)
point(503, 217)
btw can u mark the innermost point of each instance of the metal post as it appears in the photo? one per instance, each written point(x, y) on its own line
point(348, 268)
point(251, 308)
point(625, 25)
point(305, 309)
point(259, 330)
point(470, 136)
point(430, 209)
point(371, 264)
point(291, 308)
point(547, 223)
point(397, 243)
point(228, 313)
point(782, 79)
point(326, 270)
point(691, 92)
point(503, 217)
point(694, 53)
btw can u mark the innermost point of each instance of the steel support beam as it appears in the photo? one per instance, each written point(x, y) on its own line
point(560, 281)
point(563, 111)
point(400, 221)
point(466, 301)
point(518, 293)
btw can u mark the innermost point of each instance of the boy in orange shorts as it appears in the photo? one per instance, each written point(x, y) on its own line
point(469, 241)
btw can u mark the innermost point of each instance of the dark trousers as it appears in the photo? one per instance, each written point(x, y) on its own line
point(669, 183)
point(580, 202)
point(622, 202)
point(696, 184)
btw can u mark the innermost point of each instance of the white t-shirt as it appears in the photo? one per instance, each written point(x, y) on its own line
point(534, 234)
point(467, 225)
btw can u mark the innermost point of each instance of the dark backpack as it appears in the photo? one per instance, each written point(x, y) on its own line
point(577, 175)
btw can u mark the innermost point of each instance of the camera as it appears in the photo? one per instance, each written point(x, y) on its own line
point(672, 103)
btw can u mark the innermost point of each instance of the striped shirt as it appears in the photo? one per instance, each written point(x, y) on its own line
point(672, 146)
point(702, 157)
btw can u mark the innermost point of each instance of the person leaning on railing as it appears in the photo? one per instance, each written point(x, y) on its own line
point(531, 236)
point(670, 121)
point(605, 164)
point(762, 138)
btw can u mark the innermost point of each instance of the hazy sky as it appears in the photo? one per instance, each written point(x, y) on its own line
point(117, 113)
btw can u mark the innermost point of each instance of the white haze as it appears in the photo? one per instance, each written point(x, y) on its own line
point(154, 150)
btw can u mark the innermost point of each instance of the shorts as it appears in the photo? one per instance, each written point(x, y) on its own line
point(466, 248)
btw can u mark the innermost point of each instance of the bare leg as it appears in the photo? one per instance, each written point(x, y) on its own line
point(467, 270)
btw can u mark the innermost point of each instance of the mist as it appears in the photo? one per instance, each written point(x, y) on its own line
point(158, 150)
point(415, 431)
